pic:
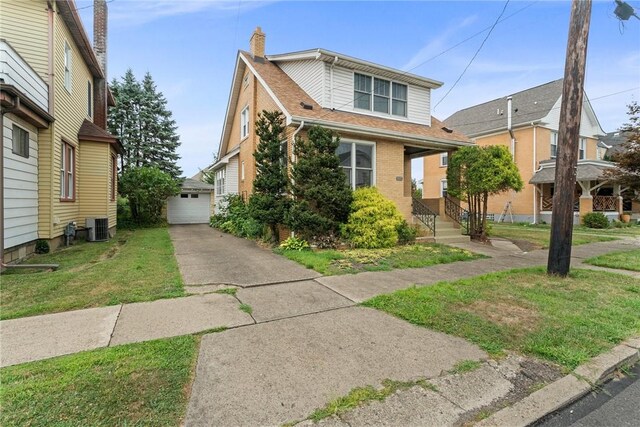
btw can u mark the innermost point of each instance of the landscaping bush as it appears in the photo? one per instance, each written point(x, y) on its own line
point(595, 220)
point(125, 220)
point(294, 244)
point(373, 221)
point(234, 218)
point(406, 233)
point(42, 247)
point(147, 188)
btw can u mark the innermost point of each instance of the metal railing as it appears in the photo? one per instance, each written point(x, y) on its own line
point(424, 214)
point(457, 213)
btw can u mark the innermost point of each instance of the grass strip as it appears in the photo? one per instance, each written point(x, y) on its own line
point(624, 260)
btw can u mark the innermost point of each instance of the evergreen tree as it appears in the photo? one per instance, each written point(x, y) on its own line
point(269, 201)
point(627, 170)
point(144, 125)
point(321, 194)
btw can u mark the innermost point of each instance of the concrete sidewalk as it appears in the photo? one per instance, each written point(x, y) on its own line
point(40, 337)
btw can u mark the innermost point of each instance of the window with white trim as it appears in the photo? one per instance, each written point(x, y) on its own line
point(444, 159)
point(67, 66)
point(220, 178)
point(358, 163)
point(379, 95)
point(67, 172)
point(554, 144)
point(244, 123)
point(443, 188)
point(582, 152)
point(20, 142)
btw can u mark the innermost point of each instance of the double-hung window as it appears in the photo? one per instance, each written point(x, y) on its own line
point(20, 143)
point(220, 177)
point(379, 95)
point(582, 153)
point(357, 161)
point(443, 188)
point(554, 144)
point(67, 172)
point(67, 66)
point(244, 123)
point(444, 159)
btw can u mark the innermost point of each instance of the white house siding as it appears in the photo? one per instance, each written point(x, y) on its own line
point(20, 187)
point(588, 125)
point(418, 98)
point(16, 72)
point(308, 75)
point(230, 184)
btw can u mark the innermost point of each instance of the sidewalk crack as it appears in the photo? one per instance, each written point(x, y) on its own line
point(115, 324)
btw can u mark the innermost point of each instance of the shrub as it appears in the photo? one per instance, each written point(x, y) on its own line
point(147, 188)
point(125, 220)
point(234, 218)
point(373, 221)
point(294, 244)
point(406, 233)
point(42, 247)
point(595, 220)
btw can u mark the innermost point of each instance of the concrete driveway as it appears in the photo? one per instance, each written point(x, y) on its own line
point(207, 256)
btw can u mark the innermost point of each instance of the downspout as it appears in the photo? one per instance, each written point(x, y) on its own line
point(509, 128)
point(50, 76)
point(335, 60)
point(293, 152)
point(535, 188)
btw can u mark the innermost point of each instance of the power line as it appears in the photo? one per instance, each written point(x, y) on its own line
point(90, 5)
point(475, 55)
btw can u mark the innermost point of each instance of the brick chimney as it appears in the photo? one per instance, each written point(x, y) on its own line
point(100, 16)
point(257, 43)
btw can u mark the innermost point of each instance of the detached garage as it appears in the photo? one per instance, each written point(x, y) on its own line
point(194, 204)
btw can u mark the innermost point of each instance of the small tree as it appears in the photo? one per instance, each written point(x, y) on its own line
point(147, 188)
point(627, 172)
point(475, 173)
point(321, 193)
point(269, 201)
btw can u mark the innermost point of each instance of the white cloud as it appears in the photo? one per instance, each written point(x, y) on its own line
point(437, 45)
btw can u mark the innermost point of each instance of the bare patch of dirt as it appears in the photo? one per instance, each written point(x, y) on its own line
point(504, 313)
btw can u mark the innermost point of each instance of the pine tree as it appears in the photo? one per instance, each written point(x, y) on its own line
point(144, 125)
point(321, 194)
point(269, 201)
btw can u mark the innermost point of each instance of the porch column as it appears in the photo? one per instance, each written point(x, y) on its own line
point(586, 204)
point(407, 176)
point(617, 192)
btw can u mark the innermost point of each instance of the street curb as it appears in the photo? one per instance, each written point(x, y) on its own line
point(567, 389)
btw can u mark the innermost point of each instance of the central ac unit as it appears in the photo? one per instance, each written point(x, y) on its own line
point(97, 229)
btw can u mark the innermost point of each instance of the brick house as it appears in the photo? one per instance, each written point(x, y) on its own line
point(382, 115)
point(59, 162)
point(535, 116)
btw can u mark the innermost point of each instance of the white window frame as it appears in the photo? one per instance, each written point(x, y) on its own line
point(242, 171)
point(444, 159)
point(582, 149)
point(68, 67)
point(221, 175)
point(553, 143)
point(20, 141)
point(353, 167)
point(372, 95)
point(67, 172)
point(443, 187)
point(244, 123)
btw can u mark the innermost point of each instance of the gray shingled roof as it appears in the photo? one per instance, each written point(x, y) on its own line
point(584, 172)
point(615, 141)
point(193, 185)
point(528, 106)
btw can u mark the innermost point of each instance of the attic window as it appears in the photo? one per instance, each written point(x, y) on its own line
point(245, 81)
point(388, 97)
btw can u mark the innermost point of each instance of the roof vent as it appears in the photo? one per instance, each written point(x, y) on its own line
point(306, 106)
point(446, 129)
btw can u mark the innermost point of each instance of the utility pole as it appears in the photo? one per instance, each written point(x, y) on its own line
point(568, 136)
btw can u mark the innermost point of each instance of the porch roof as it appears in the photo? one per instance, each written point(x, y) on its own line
point(590, 170)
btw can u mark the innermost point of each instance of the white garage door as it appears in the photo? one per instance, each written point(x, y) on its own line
point(189, 208)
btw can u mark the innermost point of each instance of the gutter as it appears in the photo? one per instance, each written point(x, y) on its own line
point(444, 143)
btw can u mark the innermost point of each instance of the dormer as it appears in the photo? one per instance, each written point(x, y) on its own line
point(344, 83)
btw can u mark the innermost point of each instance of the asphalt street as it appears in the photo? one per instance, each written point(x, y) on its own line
point(616, 404)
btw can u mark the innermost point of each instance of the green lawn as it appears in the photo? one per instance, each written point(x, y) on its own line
point(566, 321)
point(625, 260)
point(135, 384)
point(134, 266)
point(538, 235)
point(332, 262)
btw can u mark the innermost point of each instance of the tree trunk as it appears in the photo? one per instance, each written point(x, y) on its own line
point(568, 136)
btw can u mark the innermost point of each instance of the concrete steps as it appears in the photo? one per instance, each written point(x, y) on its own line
point(446, 232)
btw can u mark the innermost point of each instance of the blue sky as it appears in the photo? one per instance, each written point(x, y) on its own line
point(190, 47)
